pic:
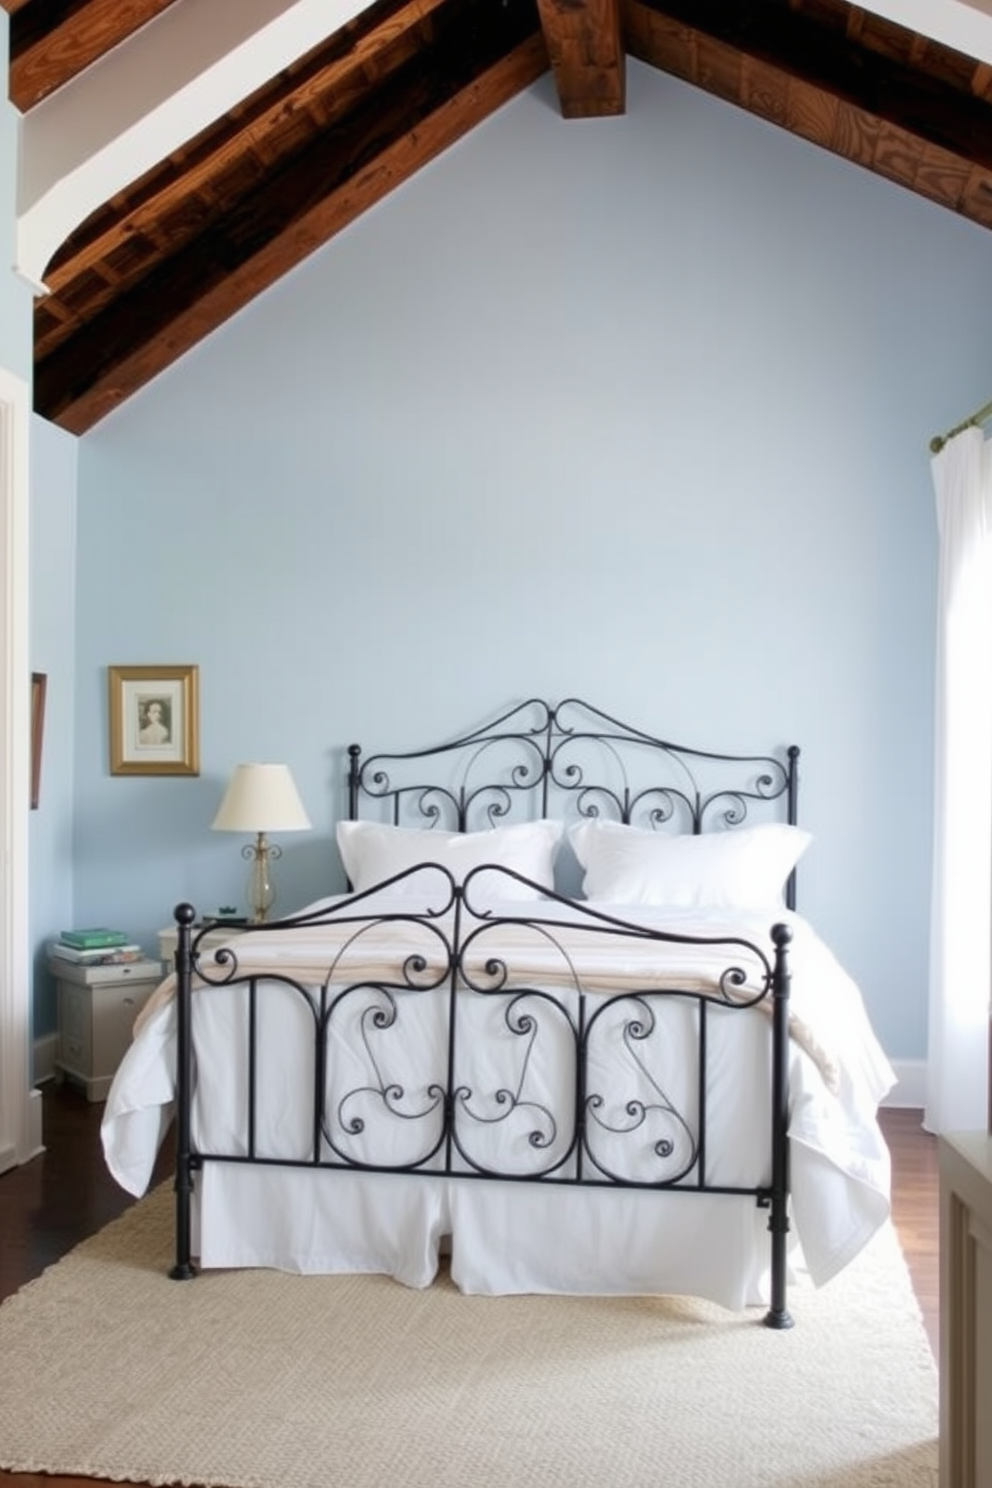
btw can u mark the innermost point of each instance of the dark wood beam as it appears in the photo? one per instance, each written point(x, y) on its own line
point(340, 175)
point(795, 42)
point(51, 41)
point(173, 194)
point(587, 55)
point(171, 256)
point(798, 68)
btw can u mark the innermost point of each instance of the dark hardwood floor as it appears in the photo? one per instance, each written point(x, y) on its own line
point(916, 1210)
point(60, 1198)
point(50, 1204)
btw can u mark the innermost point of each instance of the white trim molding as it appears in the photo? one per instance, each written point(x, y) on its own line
point(45, 1050)
point(17, 1117)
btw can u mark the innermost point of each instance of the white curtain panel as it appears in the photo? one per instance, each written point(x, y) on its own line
point(961, 924)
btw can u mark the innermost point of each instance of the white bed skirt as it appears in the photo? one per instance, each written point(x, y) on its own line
point(503, 1238)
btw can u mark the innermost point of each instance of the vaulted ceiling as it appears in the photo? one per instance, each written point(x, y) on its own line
point(170, 253)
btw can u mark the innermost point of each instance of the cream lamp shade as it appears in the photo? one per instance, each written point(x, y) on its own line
point(261, 799)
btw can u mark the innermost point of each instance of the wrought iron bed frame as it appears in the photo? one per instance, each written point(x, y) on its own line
point(543, 755)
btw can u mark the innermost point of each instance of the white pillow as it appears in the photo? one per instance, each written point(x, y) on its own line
point(372, 851)
point(743, 868)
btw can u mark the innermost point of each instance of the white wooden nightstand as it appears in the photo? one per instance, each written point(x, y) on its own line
point(168, 939)
point(97, 1006)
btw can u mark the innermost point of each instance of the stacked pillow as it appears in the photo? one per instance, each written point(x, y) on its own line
point(742, 868)
point(371, 852)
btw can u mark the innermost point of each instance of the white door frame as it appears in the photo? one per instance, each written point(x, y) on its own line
point(16, 1137)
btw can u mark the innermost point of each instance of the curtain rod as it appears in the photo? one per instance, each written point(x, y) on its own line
point(939, 440)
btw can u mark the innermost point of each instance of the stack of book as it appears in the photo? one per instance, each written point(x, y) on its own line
point(96, 947)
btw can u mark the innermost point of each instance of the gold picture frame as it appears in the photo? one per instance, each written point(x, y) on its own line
point(154, 720)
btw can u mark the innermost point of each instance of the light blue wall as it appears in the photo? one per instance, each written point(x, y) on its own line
point(51, 497)
point(53, 595)
point(636, 409)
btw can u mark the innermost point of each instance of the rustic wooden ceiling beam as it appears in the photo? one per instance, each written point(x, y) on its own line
point(797, 43)
point(171, 256)
point(332, 70)
point(340, 175)
point(587, 55)
point(167, 82)
point(52, 41)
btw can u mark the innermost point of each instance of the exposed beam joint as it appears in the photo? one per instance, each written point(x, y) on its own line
point(587, 56)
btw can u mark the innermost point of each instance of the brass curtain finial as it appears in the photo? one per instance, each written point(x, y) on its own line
point(975, 421)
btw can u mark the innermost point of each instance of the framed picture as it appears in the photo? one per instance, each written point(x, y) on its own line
point(154, 720)
point(39, 685)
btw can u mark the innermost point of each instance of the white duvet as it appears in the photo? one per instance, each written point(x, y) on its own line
point(513, 1071)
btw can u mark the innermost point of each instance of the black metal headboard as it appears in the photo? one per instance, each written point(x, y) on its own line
point(570, 760)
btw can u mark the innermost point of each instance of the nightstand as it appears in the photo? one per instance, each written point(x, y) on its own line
point(97, 1006)
point(168, 939)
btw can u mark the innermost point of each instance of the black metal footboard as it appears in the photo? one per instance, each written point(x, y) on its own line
point(473, 1046)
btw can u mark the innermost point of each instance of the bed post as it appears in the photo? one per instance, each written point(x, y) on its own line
point(354, 775)
point(183, 1270)
point(792, 803)
point(778, 1315)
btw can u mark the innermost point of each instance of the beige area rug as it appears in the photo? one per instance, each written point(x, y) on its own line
point(262, 1380)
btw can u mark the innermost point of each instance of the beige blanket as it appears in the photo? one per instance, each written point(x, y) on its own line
point(545, 943)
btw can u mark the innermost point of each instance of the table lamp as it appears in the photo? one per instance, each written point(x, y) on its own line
point(261, 799)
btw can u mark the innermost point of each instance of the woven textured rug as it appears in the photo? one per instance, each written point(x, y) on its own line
point(263, 1380)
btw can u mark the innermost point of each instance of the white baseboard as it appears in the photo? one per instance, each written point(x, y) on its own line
point(33, 1136)
point(911, 1086)
point(35, 1144)
point(44, 1052)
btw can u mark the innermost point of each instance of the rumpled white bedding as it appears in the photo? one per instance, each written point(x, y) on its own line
point(511, 1237)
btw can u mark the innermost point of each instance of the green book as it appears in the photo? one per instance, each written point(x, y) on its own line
point(95, 939)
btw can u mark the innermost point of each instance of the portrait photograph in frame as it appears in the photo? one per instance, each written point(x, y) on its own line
point(154, 720)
